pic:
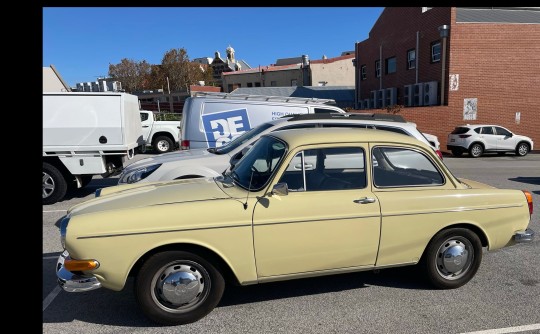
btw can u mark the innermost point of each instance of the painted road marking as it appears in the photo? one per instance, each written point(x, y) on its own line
point(516, 329)
point(49, 299)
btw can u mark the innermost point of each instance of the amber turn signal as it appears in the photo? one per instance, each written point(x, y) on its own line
point(81, 265)
point(528, 196)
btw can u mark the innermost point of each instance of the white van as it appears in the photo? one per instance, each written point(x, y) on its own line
point(211, 120)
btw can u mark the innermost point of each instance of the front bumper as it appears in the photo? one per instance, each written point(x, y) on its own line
point(72, 282)
point(524, 236)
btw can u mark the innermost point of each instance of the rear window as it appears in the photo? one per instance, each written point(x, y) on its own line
point(460, 130)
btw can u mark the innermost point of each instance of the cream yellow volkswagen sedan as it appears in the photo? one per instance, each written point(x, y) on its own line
point(300, 203)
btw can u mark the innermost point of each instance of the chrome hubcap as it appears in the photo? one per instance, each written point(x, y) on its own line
point(454, 258)
point(522, 149)
point(476, 150)
point(48, 185)
point(180, 286)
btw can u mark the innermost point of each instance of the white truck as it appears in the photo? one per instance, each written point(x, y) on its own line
point(161, 135)
point(86, 134)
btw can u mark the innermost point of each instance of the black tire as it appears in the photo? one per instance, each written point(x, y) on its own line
point(182, 302)
point(163, 144)
point(452, 244)
point(457, 153)
point(54, 184)
point(522, 149)
point(476, 150)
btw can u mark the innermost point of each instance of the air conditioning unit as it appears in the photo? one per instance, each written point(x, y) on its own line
point(381, 98)
point(368, 104)
point(430, 93)
point(391, 97)
point(408, 95)
point(373, 98)
point(418, 95)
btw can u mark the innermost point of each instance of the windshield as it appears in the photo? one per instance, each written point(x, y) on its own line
point(254, 170)
point(242, 139)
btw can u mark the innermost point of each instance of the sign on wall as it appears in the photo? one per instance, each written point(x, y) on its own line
point(470, 108)
point(518, 117)
point(454, 82)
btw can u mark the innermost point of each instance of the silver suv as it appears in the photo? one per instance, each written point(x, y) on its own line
point(213, 161)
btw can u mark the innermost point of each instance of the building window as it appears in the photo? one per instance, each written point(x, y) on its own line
point(425, 9)
point(294, 82)
point(378, 69)
point(435, 52)
point(363, 74)
point(390, 65)
point(411, 59)
point(257, 84)
point(250, 84)
point(273, 83)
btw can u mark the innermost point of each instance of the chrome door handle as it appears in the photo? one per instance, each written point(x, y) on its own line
point(364, 200)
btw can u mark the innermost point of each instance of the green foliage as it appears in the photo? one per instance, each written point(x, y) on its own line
point(167, 116)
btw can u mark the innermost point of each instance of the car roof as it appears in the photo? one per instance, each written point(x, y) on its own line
point(382, 119)
point(298, 137)
point(478, 125)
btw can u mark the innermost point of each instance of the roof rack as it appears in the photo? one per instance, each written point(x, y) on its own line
point(306, 100)
point(355, 116)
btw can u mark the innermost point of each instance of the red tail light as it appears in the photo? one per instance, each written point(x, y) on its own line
point(528, 196)
point(464, 136)
point(184, 145)
point(439, 153)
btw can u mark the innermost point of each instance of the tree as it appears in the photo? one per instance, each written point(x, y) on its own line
point(181, 71)
point(131, 73)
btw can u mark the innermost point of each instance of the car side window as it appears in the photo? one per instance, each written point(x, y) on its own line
point(400, 167)
point(323, 111)
point(487, 130)
point(144, 117)
point(477, 130)
point(323, 169)
point(502, 132)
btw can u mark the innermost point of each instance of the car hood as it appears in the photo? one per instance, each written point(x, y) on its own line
point(149, 194)
point(182, 155)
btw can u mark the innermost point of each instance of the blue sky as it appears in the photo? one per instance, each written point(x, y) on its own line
point(81, 41)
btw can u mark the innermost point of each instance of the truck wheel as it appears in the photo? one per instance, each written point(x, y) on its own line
point(163, 144)
point(54, 184)
point(177, 287)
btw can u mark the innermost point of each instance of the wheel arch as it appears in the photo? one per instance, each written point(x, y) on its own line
point(484, 240)
point(207, 253)
point(477, 142)
point(55, 162)
point(523, 141)
point(163, 134)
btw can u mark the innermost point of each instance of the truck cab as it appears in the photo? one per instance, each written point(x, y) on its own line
point(158, 132)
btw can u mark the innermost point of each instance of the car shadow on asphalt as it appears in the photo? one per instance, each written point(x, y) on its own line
point(107, 307)
point(526, 179)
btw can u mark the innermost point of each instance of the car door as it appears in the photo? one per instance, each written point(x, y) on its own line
point(505, 140)
point(489, 137)
point(329, 220)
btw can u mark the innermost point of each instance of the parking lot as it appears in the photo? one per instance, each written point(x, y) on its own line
point(503, 297)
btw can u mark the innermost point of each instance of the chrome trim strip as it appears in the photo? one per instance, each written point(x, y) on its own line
point(167, 231)
point(455, 210)
point(314, 220)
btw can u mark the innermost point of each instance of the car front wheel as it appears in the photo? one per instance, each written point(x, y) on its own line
point(522, 149)
point(177, 287)
point(452, 258)
point(476, 150)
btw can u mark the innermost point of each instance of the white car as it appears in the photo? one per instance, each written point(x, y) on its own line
point(433, 140)
point(214, 161)
point(479, 138)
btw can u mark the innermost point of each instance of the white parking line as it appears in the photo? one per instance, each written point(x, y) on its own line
point(516, 329)
point(49, 299)
point(54, 210)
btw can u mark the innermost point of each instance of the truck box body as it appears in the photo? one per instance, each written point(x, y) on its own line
point(84, 122)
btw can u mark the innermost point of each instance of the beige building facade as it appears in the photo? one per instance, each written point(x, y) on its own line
point(338, 71)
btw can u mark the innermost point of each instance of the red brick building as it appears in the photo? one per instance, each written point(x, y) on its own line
point(491, 71)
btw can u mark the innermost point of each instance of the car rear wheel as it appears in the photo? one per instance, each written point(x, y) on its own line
point(163, 144)
point(476, 150)
point(177, 287)
point(452, 258)
point(522, 149)
point(457, 153)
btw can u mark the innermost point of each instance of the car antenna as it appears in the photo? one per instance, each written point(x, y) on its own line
point(249, 188)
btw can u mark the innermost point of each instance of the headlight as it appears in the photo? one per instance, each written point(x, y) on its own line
point(63, 230)
point(137, 174)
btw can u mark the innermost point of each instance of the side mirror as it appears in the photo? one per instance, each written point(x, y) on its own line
point(280, 189)
point(511, 134)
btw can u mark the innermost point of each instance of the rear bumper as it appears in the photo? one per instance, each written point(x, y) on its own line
point(524, 236)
